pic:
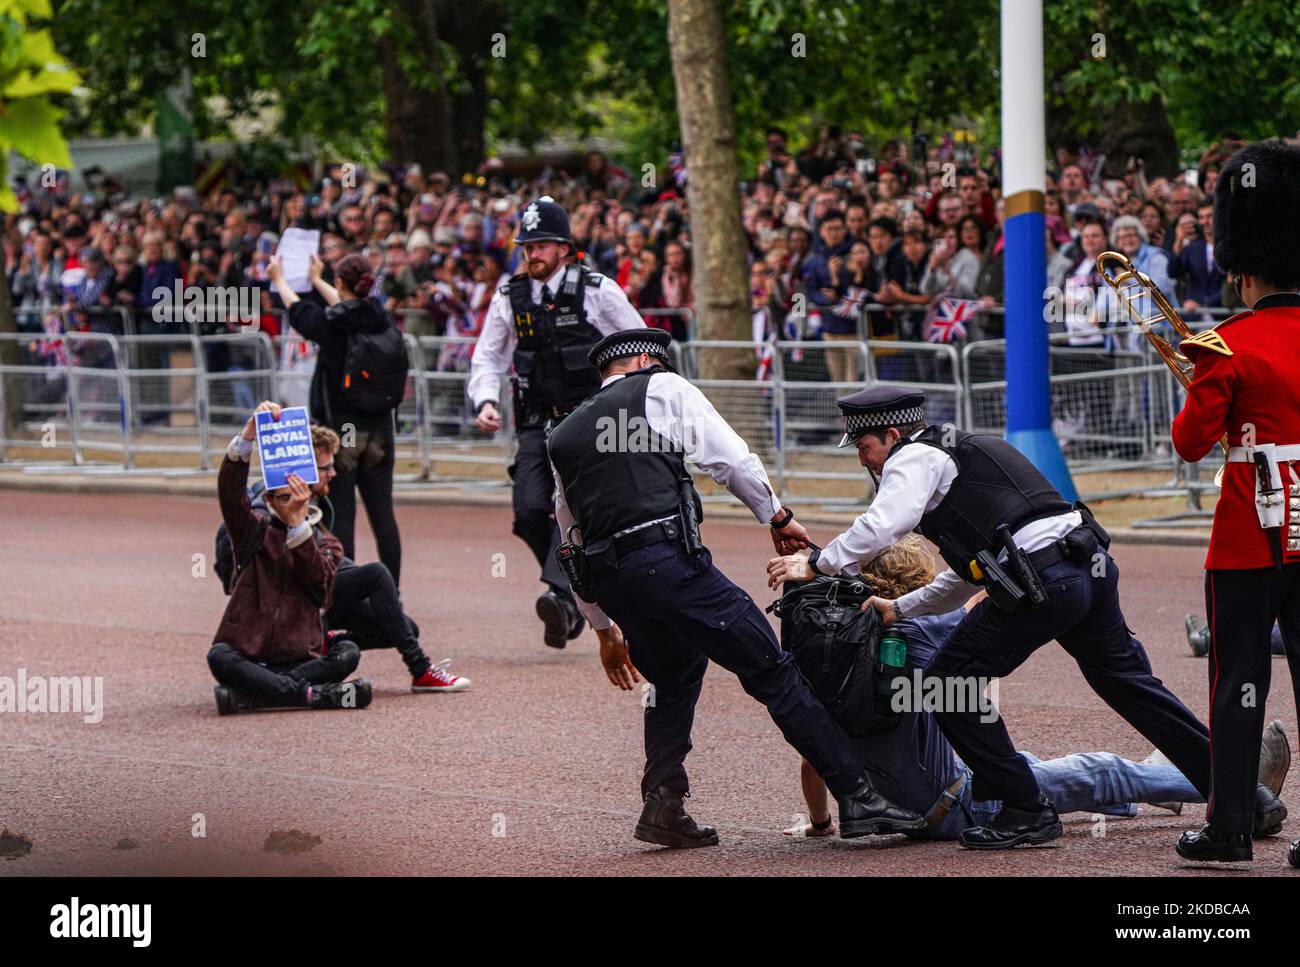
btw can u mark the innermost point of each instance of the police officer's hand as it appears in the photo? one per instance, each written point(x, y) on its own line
point(883, 605)
point(614, 656)
point(488, 419)
point(790, 538)
point(792, 567)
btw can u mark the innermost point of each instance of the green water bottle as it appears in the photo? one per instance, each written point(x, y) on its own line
point(893, 658)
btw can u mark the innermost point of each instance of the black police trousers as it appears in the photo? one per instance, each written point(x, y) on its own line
point(1241, 606)
point(1083, 614)
point(534, 503)
point(677, 612)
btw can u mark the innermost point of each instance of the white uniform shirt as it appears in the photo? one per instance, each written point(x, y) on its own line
point(914, 482)
point(606, 306)
point(679, 412)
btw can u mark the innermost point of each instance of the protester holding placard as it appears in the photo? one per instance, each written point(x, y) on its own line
point(359, 382)
point(271, 648)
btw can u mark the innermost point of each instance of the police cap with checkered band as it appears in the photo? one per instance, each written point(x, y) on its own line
point(630, 342)
point(879, 408)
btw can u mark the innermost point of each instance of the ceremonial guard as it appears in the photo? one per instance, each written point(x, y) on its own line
point(1000, 525)
point(544, 321)
point(1247, 387)
point(629, 511)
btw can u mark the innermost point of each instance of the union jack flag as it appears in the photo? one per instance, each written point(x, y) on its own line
point(946, 320)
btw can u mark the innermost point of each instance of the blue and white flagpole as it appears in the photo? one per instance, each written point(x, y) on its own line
point(1029, 400)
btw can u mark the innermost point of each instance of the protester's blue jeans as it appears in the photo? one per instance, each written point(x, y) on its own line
point(1090, 782)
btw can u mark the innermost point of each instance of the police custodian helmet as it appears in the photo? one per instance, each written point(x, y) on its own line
point(878, 408)
point(1257, 213)
point(543, 221)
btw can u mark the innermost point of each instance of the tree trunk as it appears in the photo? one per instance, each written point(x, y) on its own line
point(419, 121)
point(697, 40)
point(469, 29)
point(1142, 131)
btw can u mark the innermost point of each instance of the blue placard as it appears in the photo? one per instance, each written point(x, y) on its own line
point(284, 446)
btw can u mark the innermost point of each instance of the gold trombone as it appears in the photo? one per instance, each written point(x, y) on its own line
point(1131, 287)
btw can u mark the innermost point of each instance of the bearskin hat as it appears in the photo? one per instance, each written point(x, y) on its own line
point(1257, 213)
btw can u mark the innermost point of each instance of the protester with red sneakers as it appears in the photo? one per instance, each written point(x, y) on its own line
point(365, 597)
point(271, 648)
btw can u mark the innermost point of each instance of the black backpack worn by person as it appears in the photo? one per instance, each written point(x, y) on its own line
point(374, 369)
point(837, 648)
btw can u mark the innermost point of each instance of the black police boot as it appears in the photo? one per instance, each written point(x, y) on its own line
point(664, 822)
point(354, 694)
point(561, 618)
point(1293, 855)
point(1270, 813)
point(1014, 826)
point(1211, 845)
point(865, 812)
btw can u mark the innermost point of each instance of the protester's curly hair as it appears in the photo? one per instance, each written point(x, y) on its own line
point(323, 438)
point(902, 568)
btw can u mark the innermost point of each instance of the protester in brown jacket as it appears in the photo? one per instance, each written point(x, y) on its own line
point(271, 648)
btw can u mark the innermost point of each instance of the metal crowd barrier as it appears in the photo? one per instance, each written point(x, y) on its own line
point(129, 394)
point(1111, 407)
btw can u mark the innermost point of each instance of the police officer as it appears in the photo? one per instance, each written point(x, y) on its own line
point(1247, 385)
point(621, 481)
point(962, 489)
point(543, 322)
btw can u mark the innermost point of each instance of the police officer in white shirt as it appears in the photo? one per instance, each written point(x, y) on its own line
point(543, 322)
point(623, 491)
point(978, 499)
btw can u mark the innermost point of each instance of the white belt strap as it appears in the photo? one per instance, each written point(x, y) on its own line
point(1284, 454)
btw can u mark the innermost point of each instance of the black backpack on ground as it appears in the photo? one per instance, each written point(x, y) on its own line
point(837, 648)
point(374, 370)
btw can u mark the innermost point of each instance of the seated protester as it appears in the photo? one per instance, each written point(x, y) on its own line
point(365, 597)
point(366, 602)
point(913, 764)
point(271, 648)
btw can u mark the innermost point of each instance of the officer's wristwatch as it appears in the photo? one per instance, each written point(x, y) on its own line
point(784, 520)
point(483, 404)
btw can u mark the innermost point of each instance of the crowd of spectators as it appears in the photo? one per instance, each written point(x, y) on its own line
point(844, 243)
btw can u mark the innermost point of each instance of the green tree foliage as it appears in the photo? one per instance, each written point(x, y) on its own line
point(579, 66)
point(30, 72)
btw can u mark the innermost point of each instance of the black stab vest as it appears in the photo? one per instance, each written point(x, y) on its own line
point(551, 367)
point(995, 484)
point(616, 471)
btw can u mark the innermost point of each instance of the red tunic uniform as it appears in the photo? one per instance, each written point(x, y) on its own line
point(1258, 385)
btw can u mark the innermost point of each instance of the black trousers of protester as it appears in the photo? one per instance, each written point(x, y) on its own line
point(282, 683)
point(533, 497)
point(1241, 606)
point(367, 466)
point(1083, 614)
point(677, 612)
point(366, 605)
